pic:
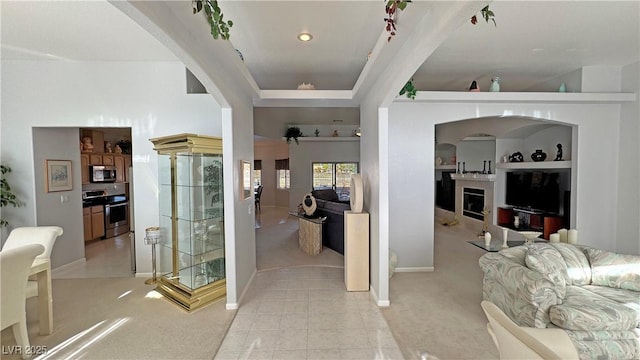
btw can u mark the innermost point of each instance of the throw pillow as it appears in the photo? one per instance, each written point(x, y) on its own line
point(614, 270)
point(577, 264)
point(546, 260)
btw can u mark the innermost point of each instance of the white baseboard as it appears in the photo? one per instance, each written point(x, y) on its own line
point(68, 266)
point(236, 305)
point(141, 274)
point(415, 269)
point(380, 303)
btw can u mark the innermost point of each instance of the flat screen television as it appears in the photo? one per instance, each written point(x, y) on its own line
point(535, 190)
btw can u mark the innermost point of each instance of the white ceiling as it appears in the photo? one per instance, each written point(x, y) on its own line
point(533, 41)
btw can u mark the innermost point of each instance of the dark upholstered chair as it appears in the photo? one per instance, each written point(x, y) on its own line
point(258, 195)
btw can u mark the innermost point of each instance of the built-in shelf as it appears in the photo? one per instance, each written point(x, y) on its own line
point(565, 164)
point(445, 167)
point(474, 177)
point(325, 138)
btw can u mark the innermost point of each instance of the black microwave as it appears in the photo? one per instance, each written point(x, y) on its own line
point(101, 173)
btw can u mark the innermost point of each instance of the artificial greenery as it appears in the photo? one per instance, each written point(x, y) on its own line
point(409, 90)
point(293, 132)
point(486, 14)
point(6, 196)
point(391, 8)
point(215, 17)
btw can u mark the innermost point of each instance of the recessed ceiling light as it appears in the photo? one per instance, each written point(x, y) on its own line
point(305, 37)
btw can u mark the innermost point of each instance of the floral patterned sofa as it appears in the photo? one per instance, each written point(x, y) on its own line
point(593, 295)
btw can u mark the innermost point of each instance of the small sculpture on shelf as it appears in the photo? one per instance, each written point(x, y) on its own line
point(516, 157)
point(538, 155)
point(317, 132)
point(474, 87)
point(559, 153)
point(87, 144)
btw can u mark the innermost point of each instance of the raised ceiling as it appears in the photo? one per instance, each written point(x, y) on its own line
point(533, 41)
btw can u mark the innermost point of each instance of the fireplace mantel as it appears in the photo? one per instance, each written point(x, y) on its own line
point(474, 177)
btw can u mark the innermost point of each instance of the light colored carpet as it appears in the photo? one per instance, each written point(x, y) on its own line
point(439, 312)
point(122, 318)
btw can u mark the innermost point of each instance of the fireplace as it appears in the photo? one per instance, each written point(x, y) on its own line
point(473, 203)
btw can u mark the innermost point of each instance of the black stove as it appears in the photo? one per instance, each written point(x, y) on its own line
point(100, 197)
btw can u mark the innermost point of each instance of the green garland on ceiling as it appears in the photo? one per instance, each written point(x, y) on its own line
point(215, 17)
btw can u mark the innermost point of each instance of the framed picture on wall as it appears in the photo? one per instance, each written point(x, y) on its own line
point(58, 175)
point(245, 179)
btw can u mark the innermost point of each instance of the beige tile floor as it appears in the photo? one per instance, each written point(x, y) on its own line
point(305, 313)
point(108, 258)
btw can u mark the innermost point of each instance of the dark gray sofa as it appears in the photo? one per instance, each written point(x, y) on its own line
point(329, 205)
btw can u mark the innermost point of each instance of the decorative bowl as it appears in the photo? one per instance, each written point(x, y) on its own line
point(530, 236)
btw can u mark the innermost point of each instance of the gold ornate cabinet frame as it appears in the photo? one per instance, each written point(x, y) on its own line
point(191, 219)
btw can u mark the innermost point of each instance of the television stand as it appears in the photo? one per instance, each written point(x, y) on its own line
point(530, 220)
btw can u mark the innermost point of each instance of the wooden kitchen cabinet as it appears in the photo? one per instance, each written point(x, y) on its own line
point(108, 159)
point(84, 168)
point(86, 221)
point(93, 220)
point(95, 159)
point(120, 168)
point(127, 165)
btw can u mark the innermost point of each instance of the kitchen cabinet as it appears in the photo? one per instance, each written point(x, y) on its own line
point(93, 221)
point(191, 219)
point(86, 221)
point(127, 165)
point(84, 168)
point(95, 159)
point(108, 159)
point(118, 161)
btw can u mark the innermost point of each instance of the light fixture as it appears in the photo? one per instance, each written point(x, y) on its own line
point(305, 37)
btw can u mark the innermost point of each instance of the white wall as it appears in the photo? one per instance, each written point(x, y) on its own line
point(411, 195)
point(628, 239)
point(268, 153)
point(61, 208)
point(596, 153)
point(148, 97)
point(308, 151)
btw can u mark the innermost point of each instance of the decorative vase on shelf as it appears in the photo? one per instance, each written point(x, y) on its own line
point(516, 221)
point(495, 84)
point(539, 155)
point(487, 239)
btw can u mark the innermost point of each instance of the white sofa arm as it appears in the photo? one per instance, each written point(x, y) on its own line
point(515, 342)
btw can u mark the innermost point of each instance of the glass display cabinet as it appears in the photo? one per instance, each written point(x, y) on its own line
point(191, 244)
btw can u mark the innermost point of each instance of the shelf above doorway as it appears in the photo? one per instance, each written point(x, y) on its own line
point(566, 164)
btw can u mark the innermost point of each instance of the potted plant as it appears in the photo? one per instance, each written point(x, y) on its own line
point(6, 196)
point(293, 132)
